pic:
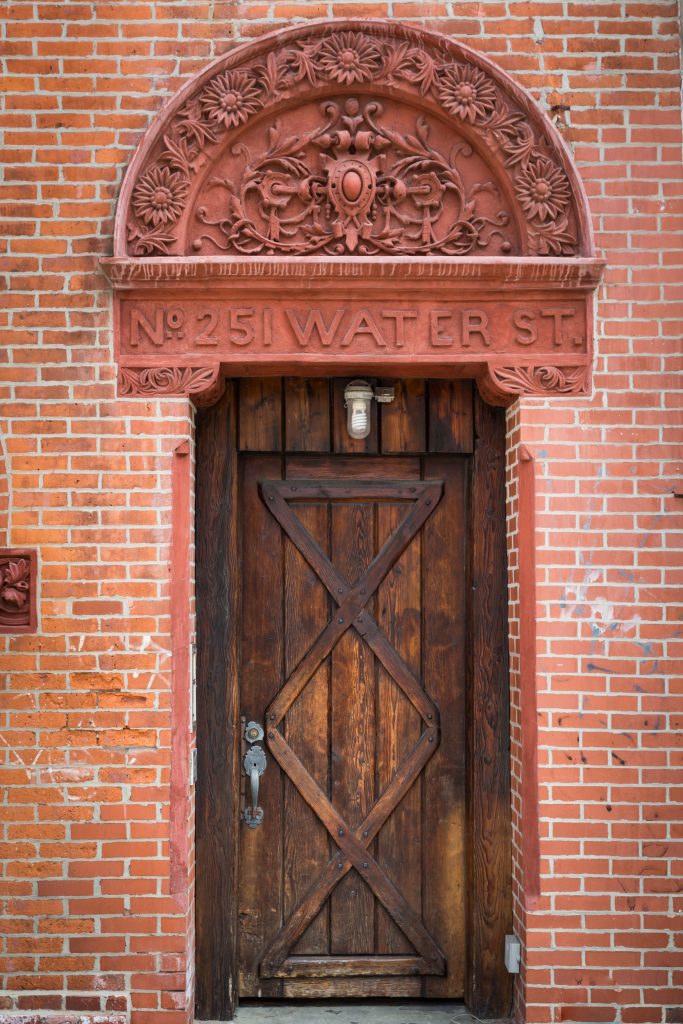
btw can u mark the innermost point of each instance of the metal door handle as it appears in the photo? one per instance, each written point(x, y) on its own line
point(254, 788)
point(254, 767)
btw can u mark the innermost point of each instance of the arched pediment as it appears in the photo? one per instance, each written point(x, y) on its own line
point(352, 139)
point(353, 196)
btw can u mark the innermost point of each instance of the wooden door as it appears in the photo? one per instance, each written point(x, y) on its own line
point(349, 571)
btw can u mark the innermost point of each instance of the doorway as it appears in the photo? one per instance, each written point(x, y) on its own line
point(353, 810)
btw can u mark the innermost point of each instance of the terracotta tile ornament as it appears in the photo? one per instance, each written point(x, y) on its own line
point(353, 196)
point(18, 571)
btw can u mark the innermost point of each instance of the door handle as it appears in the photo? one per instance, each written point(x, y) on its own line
point(254, 767)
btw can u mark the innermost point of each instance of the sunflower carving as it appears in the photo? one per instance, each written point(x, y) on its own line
point(543, 190)
point(349, 58)
point(231, 98)
point(160, 195)
point(467, 92)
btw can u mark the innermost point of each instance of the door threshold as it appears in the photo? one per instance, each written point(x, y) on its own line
point(365, 1011)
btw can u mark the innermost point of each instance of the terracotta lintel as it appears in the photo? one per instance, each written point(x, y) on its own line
point(284, 215)
point(520, 327)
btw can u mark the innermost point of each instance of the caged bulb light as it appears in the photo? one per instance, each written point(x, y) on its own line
point(358, 395)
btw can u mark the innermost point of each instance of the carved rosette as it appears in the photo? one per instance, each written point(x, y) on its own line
point(17, 591)
point(473, 174)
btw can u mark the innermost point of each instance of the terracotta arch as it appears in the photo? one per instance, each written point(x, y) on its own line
point(356, 195)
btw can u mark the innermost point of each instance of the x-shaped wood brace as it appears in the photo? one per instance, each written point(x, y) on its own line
point(351, 599)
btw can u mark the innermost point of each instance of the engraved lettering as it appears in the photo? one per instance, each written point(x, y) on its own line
point(175, 325)
point(314, 324)
point(241, 325)
point(525, 321)
point(206, 335)
point(399, 316)
point(363, 323)
point(435, 336)
point(474, 322)
point(267, 325)
point(557, 316)
point(139, 323)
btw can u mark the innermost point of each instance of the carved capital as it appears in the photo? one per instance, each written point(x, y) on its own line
point(203, 384)
point(18, 572)
point(502, 384)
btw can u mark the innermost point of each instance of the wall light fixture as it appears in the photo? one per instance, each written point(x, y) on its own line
point(358, 394)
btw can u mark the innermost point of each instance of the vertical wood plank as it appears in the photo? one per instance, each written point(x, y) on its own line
point(353, 732)
point(489, 856)
point(261, 676)
point(306, 729)
point(260, 414)
point(403, 424)
point(307, 414)
point(341, 442)
point(450, 416)
point(444, 676)
point(217, 792)
point(398, 728)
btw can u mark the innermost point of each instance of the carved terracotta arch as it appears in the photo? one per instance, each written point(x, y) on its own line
point(359, 196)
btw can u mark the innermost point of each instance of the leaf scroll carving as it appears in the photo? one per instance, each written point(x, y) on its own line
point(540, 381)
point(203, 383)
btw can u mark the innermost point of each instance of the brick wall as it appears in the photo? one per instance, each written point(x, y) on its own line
point(90, 922)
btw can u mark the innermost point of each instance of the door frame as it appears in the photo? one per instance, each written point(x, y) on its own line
point(488, 987)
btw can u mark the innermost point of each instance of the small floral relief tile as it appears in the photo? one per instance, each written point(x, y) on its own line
point(18, 578)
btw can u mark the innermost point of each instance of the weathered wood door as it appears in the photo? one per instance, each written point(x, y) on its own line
point(351, 567)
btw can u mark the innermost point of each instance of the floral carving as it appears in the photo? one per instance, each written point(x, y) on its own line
point(350, 59)
point(231, 97)
point(148, 381)
point(16, 582)
point(466, 92)
point(159, 195)
point(543, 190)
point(540, 381)
point(354, 184)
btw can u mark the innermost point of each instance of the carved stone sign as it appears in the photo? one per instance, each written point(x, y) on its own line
point(196, 325)
point(345, 195)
